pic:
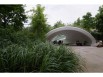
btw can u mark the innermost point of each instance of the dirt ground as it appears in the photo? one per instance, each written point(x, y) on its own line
point(93, 57)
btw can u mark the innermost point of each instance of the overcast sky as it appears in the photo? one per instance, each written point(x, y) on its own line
point(66, 13)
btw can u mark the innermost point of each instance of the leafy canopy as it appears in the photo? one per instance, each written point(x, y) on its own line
point(87, 22)
point(58, 24)
point(99, 20)
point(12, 15)
point(38, 23)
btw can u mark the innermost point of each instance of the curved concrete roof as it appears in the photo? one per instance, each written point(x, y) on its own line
point(72, 34)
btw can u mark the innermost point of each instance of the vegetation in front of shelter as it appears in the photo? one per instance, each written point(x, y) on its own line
point(23, 50)
point(38, 57)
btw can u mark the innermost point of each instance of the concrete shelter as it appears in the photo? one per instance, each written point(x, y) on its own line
point(72, 34)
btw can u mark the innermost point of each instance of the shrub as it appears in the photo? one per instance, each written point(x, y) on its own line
point(5, 37)
point(38, 57)
point(97, 36)
point(22, 52)
point(9, 36)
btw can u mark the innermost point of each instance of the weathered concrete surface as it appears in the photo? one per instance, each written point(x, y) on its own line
point(93, 57)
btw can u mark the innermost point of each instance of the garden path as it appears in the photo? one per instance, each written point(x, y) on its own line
point(93, 57)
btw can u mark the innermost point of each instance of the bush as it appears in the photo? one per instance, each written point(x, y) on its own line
point(38, 57)
point(5, 37)
point(22, 52)
point(97, 35)
point(9, 36)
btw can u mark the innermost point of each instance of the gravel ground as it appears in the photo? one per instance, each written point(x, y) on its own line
point(93, 57)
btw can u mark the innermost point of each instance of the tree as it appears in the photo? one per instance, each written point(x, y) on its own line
point(77, 23)
point(88, 22)
point(99, 20)
point(38, 23)
point(49, 27)
point(58, 24)
point(12, 15)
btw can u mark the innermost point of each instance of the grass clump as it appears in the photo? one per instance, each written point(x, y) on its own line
point(21, 52)
point(38, 57)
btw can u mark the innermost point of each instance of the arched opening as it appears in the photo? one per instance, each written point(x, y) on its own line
point(58, 39)
point(71, 36)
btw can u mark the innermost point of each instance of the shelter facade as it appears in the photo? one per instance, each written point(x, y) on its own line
point(72, 35)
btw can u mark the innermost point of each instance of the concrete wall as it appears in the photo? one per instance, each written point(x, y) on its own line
point(72, 34)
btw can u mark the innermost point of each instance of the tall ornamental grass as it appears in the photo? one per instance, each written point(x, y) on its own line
point(38, 57)
point(21, 52)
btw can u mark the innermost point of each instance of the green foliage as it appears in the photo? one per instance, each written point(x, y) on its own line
point(5, 37)
point(87, 22)
point(9, 36)
point(12, 15)
point(97, 35)
point(92, 24)
point(20, 52)
point(38, 24)
point(58, 24)
point(38, 57)
point(99, 20)
point(49, 27)
point(77, 23)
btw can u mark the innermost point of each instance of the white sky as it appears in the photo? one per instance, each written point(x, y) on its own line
point(67, 13)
